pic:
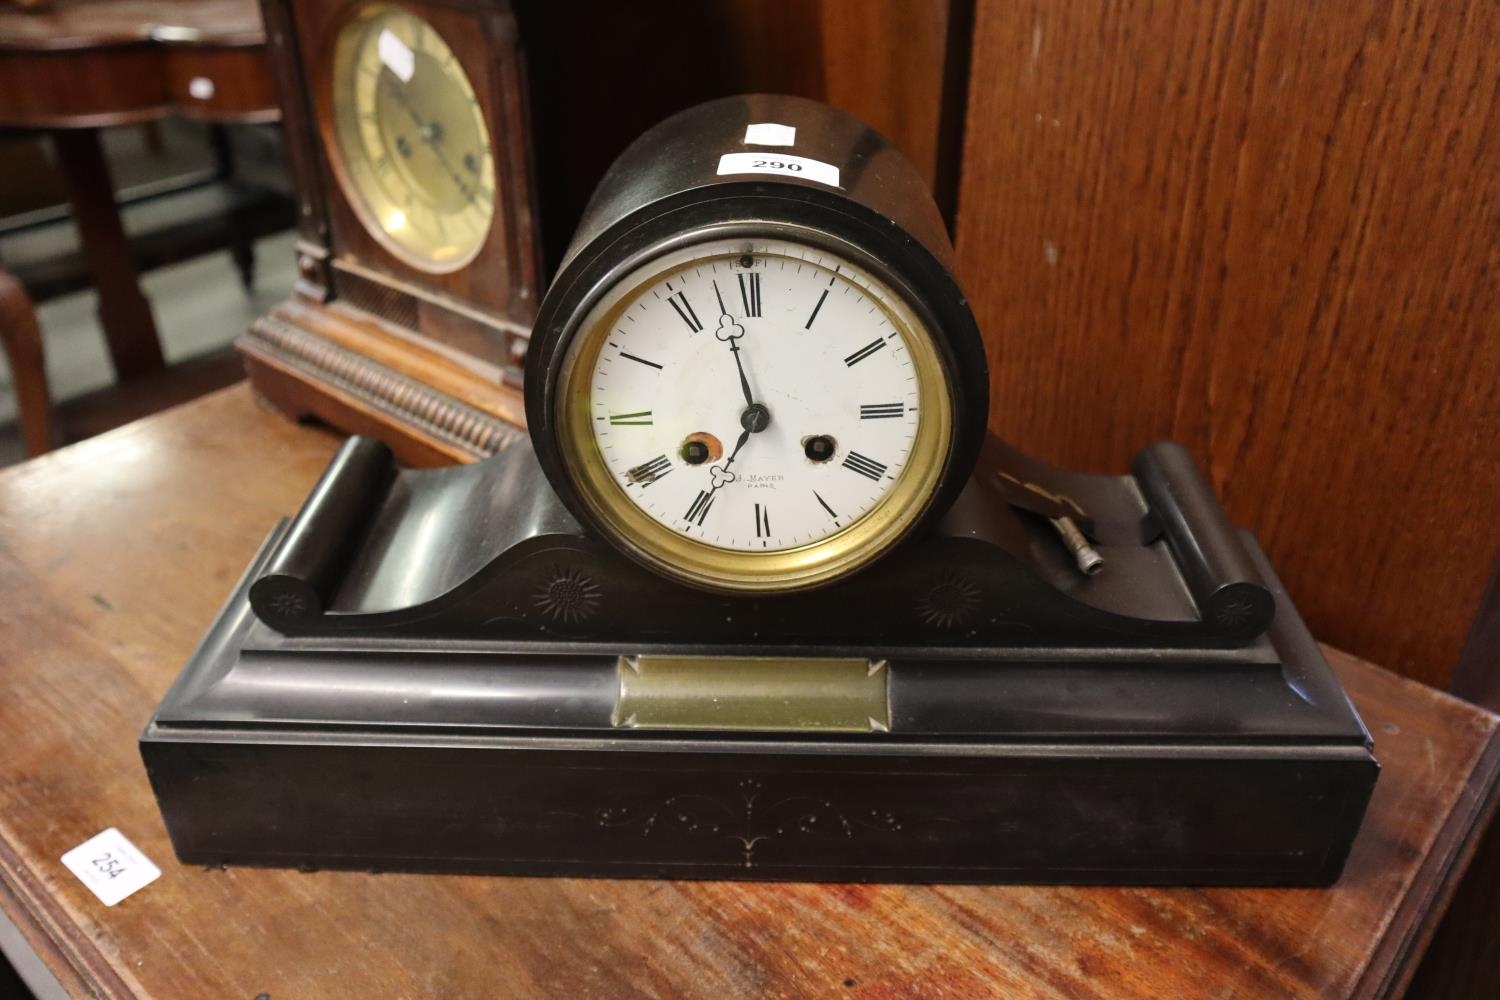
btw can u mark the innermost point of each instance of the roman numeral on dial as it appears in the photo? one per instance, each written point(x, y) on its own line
point(685, 310)
point(762, 521)
point(649, 472)
point(881, 411)
point(864, 352)
point(641, 419)
point(699, 510)
point(750, 294)
point(867, 467)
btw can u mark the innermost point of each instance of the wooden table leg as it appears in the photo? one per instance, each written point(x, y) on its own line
point(129, 328)
point(21, 339)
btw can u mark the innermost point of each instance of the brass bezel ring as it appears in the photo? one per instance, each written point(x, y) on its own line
point(710, 567)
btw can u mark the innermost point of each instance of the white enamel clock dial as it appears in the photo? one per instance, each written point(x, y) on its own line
point(761, 396)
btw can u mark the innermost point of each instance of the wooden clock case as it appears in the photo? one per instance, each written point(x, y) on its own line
point(429, 362)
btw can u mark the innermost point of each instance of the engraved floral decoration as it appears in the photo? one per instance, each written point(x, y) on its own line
point(289, 604)
point(570, 596)
point(1234, 614)
point(950, 602)
point(748, 823)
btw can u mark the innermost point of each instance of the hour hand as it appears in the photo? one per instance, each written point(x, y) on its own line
point(744, 436)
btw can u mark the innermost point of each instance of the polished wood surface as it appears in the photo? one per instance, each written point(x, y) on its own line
point(239, 86)
point(46, 90)
point(124, 312)
point(1477, 676)
point(1462, 960)
point(90, 63)
point(74, 66)
point(1268, 231)
point(861, 43)
point(114, 556)
point(21, 340)
point(884, 62)
point(88, 24)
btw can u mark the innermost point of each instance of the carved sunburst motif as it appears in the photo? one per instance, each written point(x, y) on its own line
point(952, 601)
point(571, 596)
point(1235, 614)
point(289, 604)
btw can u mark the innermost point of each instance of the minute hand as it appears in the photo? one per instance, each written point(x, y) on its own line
point(730, 331)
point(734, 346)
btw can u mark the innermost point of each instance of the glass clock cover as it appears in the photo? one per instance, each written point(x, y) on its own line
point(413, 151)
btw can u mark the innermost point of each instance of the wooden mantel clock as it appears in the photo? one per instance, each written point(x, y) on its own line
point(418, 265)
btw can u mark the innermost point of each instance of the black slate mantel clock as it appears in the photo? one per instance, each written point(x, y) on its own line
point(747, 603)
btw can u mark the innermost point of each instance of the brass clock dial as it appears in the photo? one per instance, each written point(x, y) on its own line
point(412, 147)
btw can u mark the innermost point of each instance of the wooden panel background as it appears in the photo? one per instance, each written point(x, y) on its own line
point(1269, 230)
point(594, 90)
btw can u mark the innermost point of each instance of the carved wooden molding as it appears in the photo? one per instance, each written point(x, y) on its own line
point(400, 398)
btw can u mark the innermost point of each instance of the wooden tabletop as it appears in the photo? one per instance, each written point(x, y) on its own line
point(116, 553)
point(80, 24)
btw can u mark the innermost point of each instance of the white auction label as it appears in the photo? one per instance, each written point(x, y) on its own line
point(770, 134)
point(779, 163)
point(111, 866)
